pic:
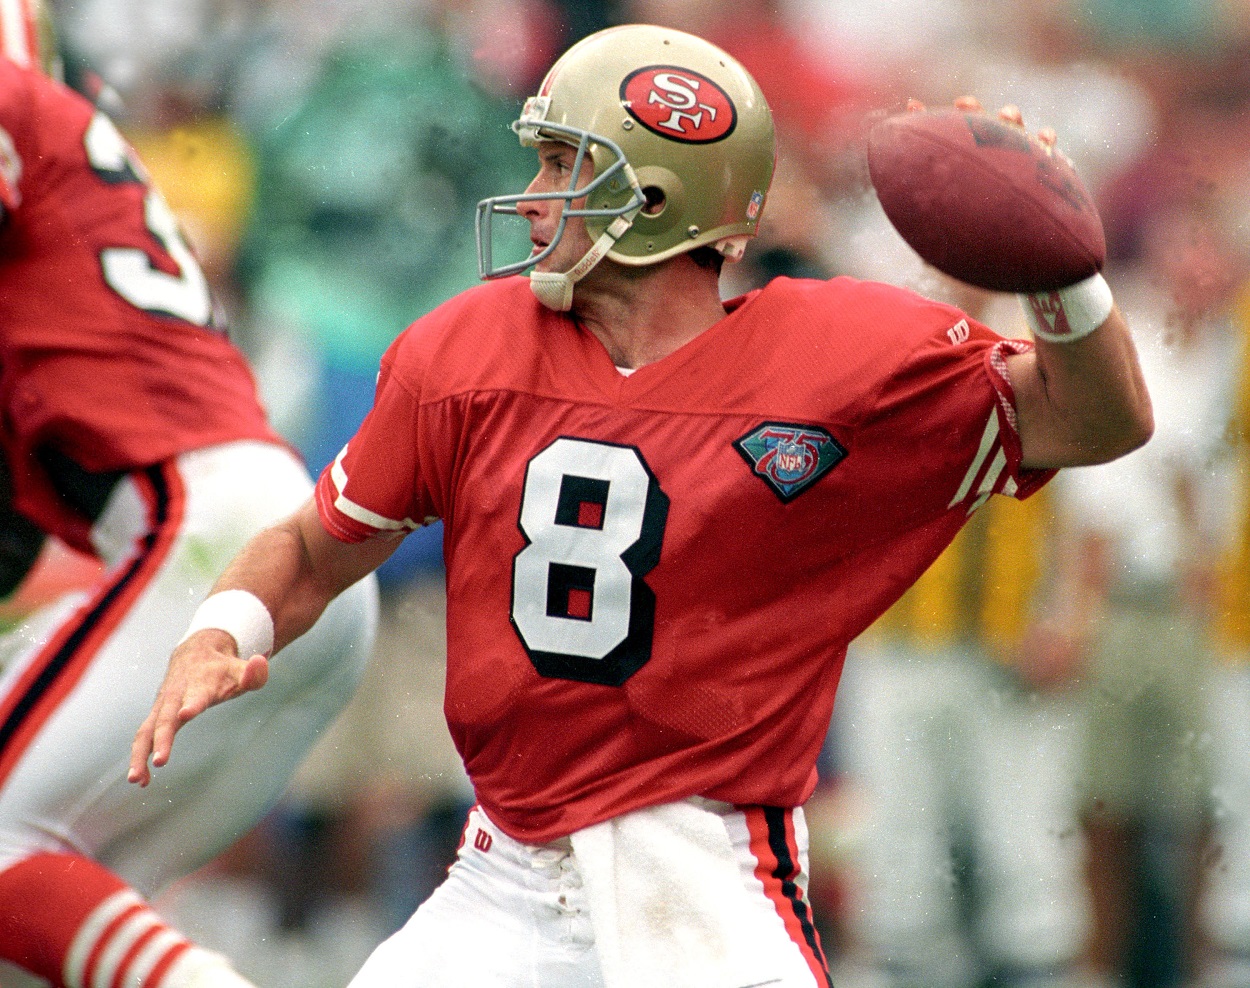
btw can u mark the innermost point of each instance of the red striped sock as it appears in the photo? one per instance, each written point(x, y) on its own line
point(74, 923)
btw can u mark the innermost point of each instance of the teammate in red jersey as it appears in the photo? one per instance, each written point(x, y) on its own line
point(665, 518)
point(131, 431)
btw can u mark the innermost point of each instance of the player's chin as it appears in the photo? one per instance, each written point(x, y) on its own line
point(549, 265)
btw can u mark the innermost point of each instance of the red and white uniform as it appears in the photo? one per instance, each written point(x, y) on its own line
point(731, 600)
point(106, 324)
point(110, 359)
point(653, 578)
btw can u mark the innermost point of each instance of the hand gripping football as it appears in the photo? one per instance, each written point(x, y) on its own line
point(985, 202)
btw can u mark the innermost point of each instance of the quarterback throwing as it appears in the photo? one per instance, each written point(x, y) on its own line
point(666, 516)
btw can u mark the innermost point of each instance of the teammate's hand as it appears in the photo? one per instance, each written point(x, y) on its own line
point(203, 671)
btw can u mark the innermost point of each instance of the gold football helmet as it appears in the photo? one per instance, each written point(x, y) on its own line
point(682, 143)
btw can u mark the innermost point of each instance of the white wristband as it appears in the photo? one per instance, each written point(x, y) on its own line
point(1071, 313)
point(239, 614)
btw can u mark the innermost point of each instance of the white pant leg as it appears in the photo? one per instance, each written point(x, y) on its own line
point(1035, 911)
point(68, 789)
point(771, 846)
point(508, 916)
point(902, 732)
point(1225, 910)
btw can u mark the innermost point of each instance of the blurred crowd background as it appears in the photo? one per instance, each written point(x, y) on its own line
point(1039, 771)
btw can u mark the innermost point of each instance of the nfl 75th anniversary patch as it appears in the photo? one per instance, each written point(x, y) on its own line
point(790, 458)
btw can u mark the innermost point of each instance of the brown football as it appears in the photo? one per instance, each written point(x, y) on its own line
point(984, 201)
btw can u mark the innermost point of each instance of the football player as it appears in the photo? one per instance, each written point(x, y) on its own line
point(131, 431)
point(665, 518)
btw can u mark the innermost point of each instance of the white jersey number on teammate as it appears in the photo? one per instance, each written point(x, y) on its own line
point(130, 271)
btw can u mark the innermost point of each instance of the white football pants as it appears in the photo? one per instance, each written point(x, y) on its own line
point(512, 915)
point(79, 677)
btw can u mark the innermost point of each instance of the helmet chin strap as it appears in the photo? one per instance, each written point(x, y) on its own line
point(555, 288)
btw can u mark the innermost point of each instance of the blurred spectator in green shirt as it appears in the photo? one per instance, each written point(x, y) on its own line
point(363, 217)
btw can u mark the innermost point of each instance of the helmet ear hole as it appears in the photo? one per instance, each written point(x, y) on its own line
point(683, 116)
point(664, 206)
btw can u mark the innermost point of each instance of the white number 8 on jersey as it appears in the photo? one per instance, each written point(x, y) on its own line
point(593, 516)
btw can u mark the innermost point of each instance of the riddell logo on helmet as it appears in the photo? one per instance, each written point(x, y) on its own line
point(679, 104)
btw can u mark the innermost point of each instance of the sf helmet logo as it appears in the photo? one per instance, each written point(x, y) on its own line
point(679, 104)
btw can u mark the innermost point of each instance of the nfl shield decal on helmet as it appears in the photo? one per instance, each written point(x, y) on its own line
point(790, 458)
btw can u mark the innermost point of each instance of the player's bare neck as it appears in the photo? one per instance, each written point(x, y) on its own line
point(641, 315)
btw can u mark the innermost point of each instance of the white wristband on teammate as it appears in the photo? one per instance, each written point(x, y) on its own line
point(1071, 313)
point(239, 614)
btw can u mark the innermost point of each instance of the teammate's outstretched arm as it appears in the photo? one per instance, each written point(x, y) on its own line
point(294, 569)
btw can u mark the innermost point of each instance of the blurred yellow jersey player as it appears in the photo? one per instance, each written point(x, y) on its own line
point(959, 761)
point(1225, 908)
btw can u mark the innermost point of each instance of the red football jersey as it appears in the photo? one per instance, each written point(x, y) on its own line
point(652, 579)
point(109, 350)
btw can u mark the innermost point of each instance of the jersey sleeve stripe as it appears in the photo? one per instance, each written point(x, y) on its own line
point(358, 513)
point(998, 468)
point(989, 440)
point(994, 476)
